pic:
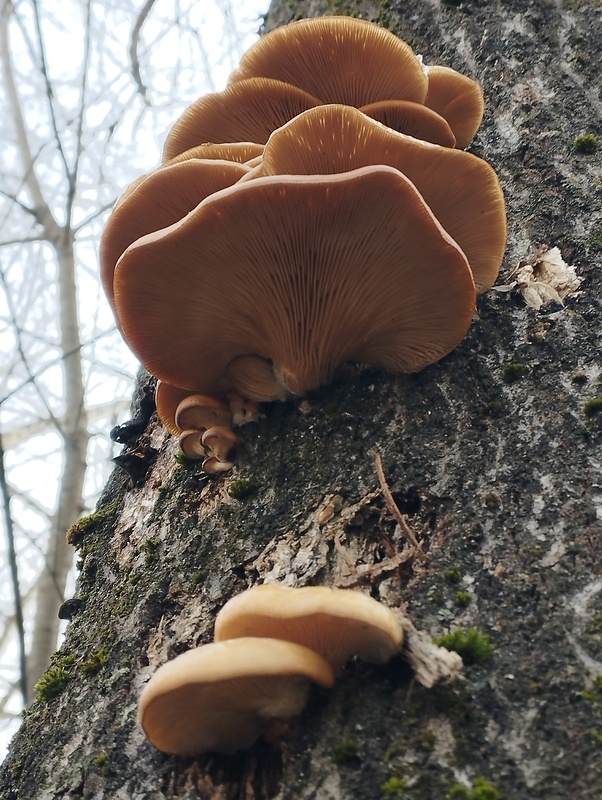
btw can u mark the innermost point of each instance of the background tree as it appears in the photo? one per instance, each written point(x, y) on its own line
point(87, 94)
point(492, 454)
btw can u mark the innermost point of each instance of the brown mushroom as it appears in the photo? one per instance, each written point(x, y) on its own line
point(253, 376)
point(246, 111)
point(167, 400)
point(191, 445)
point(219, 441)
point(336, 623)
point(199, 412)
point(461, 190)
point(458, 99)
point(162, 198)
point(339, 60)
point(221, 697)
point(412, 119)
point(306, 271)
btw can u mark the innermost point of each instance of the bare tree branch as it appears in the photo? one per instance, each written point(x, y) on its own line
point(134, 41)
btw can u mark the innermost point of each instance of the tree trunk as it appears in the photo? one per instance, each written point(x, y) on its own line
point(493, 454)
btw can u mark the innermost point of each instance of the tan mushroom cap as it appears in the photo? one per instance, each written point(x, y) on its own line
point(167, 400)
point(339, 60)
point(246, 111)
point(458, 99)
point(241, 152)
point(191, 444)
point(306, 271)
point(253, 376)
point(162, 198)
point(336, 623)
point(462, 191)
point(413, 119)
point(220, 441)
point(199, 412)
point(220, 697)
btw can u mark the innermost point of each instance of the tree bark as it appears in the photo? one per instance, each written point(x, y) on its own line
point(493, 455)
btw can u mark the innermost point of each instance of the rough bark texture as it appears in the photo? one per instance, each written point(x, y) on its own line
point(496, 466)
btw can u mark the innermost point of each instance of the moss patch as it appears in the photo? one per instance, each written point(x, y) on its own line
point(474, 647)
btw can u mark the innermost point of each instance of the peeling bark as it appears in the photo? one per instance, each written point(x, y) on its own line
point(496, 469)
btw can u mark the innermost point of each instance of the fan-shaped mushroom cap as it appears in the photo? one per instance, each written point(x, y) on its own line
point(336, 623)
point(307, 271)
point(246, 111)
point(219, 441)
point(191, 444)
point(162, 198)
point(458, 99)
point(338, 60)
point(461, 190)
point(413, 119)
point(220, 697)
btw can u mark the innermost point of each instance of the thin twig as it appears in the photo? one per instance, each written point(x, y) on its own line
point(134, 40)
point(392, 505)
point(14, 576)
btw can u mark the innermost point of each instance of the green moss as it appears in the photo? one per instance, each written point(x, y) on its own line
point(150, 548)
point(100, 760)
point(514, 372)
point(453, 575)
point(345, 752)
point(79, 529)
point(594, 695)
point(482, 790)
point(393, 787)
point(474, 647)
point(597, 736)
point(198, 577)
point(491, 500)
point(54, 680)
point(586, 144)
point(593, 407)
point(243, 488)
point(181, 459)
point(94, 663)
point(462, 599)
point(426, 740)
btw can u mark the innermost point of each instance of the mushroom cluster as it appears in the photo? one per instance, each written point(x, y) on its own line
point(271, 643)
point(319, 210)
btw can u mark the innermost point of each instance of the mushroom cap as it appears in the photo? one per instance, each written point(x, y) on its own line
point(413, 119)
point(339, 60)
point(253, 376)
point(167, 400)
point(458, 99)
point(199, 411)
point(336, 623)
point(462, 191)
point(247, 111)
point(220, 442)
point(191, 444)
point(307, 271)
point(241, 152)
point(162, 198)
point(220, 696)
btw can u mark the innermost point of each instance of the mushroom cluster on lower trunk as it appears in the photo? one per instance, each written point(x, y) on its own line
point(271, 643)
point(318, 210)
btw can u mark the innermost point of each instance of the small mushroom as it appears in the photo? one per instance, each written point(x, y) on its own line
point(220, 442)
point(336, 623)
point(337, 59)
point(246, 111)
point(191, 445)
point(458, 99)
point(221, 697)
point(199, 412)
point(253, 376)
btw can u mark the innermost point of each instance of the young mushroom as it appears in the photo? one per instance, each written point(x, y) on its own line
point(221, 697)
point(305, 271)
point(413, 119)
point(336, 623)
